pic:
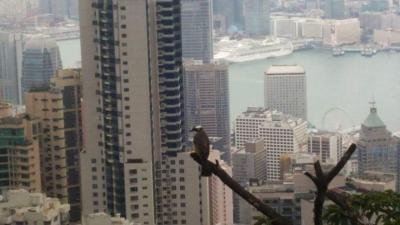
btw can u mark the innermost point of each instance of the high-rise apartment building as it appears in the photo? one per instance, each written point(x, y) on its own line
point(327, 146)
point(41, 59)
point(19, 152)
point(11, 67)
point(377, 147)
point(285, 90)
point(282, 134)
point(59, 110)
point(68, 82)
point(197, 30)
point(256, 17)
point(207, 101)
point(47, 105)
point(135, 163)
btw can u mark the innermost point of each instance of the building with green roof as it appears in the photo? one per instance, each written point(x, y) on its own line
point(377, 147)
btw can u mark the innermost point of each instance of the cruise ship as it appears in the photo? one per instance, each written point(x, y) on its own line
point(244, 50)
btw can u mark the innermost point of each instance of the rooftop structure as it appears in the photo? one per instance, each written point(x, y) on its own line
point(105, 219)
point(285, 70)
point(22, 207)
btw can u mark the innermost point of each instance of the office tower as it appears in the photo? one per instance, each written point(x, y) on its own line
point(207, 101)
point(11, 67)
point(286, 90)
point(256, 17)
point(22, 207)
point(376, 147)
point(41, 58)
point(197, 30)
point(282, 134)
point(59, 110)
point(335, 9)
point(326, 145)
point(132, 115)
point(19, 152)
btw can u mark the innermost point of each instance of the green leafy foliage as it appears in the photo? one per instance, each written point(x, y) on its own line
point(376, 208)
point(261, 220)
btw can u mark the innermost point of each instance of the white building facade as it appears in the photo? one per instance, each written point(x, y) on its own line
point(282, 134)
point(285, 90)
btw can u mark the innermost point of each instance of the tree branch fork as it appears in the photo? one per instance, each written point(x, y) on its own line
point(321, 180)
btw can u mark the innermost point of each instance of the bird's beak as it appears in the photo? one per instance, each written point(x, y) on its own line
point(193, 130)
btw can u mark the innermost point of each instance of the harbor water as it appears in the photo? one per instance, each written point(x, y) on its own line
point(339, 89)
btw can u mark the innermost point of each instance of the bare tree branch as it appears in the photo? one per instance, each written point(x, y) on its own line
point(322, 181)
point(339, 166)
point(276, 218)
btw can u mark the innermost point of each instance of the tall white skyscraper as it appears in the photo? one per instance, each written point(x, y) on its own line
point(282, 134)
point(197, 30)
point(134, 162)
point(286, 90)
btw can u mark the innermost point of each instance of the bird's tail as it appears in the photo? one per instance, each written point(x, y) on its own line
point(205, 170)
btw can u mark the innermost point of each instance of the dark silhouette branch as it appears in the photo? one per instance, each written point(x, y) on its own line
point(275, 218)
point(342, 162)
point(322, 181)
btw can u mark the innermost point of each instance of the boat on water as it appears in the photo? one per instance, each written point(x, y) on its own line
point(338, 52)
point(244, 50)
point(368, 52)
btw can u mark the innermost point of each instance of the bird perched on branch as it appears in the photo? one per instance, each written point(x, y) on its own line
point(202, 148)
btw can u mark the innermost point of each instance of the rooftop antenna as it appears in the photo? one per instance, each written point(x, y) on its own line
point(373, 104)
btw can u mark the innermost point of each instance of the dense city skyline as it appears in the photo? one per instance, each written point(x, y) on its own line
point(110, 141)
